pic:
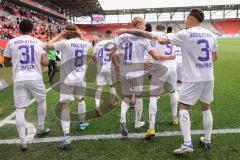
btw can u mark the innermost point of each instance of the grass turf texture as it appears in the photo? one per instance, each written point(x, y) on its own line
point(225, 111)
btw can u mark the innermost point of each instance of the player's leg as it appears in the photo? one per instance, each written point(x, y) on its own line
point(205, 100)
point(190, 94)
point(125, 85)
point(66, 98)
point(156, 88)
point(50, 71)
point(21, 100)
point(80, 92)
point(111, 78)
point(101, 81)
point(98, 99)
point(172, 79)
point(137, 89)
point(38, 90)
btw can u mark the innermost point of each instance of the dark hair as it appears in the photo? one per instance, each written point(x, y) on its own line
point(108, 32)
point(26, 26)
point(148, 27)
point(197, 13)
point(160, 27)
point(169, 29)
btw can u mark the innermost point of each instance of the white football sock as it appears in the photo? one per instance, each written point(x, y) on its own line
point(112, 94)
point(41, 111)
point(65, 121)
point(185, 125)
point(20, 124)
point(152, 112)
point(98, 97)
point(138, 110)
point(81, 110)
point(124, 109)
point(207, 124)
point(173, 101)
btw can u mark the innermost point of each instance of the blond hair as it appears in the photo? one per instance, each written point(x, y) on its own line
point(137, 20)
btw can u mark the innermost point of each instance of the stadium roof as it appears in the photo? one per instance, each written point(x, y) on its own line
point(77, 8)
point(141, 4)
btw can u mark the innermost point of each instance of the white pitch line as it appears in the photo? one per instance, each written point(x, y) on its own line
point(12, 115)
point(119, 136)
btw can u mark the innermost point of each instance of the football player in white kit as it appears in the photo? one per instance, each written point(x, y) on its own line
point(131, 51)
point(72, 76)
point(27, 57)
point(199, 48)
point(161, 79)
point(105, 69)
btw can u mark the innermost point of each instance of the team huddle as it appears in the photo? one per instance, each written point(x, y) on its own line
point(185, 57)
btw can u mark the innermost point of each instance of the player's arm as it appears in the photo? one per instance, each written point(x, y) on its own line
point(159, 56)
point(136, 32)
point(162, 40)
point(44, 60)
point(50, 46)
point(116, 61)
point(7, 61)
point(214, 56)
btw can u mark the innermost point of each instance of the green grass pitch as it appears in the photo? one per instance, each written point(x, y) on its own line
point(225, 109)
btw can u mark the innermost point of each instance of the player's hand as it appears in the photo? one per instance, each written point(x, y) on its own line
point(149, 63)
point(173, 56)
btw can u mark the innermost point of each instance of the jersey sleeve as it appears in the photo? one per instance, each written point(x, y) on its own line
point(177, 39)
point(7, 50)
point(60, 45)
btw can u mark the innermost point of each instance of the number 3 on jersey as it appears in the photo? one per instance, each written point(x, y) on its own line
point(205, 49)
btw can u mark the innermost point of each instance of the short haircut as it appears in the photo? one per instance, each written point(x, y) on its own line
point(169, 29)
point(148, 27)
point(197, 13)
point(26, 26)
point(137, 20)
point(160, 27)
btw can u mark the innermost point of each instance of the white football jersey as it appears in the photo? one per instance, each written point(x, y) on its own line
point(25, 52)
point(73, 60)
point(104, 61)
point(131, 50)
point(178, 52)
point(197, 46)
point(163, 49)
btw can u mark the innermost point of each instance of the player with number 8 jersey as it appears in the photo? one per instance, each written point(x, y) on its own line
point(72, 76)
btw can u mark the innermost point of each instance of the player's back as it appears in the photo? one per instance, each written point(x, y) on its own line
point(73, 59)
point(102, 50)
point(197, 47)
point(132, 47)
point(131, 50)
point(26, 54)
point(163, 49)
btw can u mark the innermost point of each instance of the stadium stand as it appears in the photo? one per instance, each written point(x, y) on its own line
point(228, 26)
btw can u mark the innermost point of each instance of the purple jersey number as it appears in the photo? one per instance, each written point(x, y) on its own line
point(78, 58)
point(168, 50)
point(206, 49)
point(100, 55)
point(26, 57)
point(128, 52)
